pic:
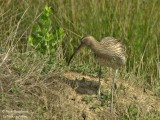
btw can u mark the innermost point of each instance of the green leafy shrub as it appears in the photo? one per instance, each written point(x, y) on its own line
point(42, 38)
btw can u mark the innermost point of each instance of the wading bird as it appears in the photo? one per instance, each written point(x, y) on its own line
point(109, 52)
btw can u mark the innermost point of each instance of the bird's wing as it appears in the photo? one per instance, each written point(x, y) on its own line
point(112, 47)
point(112, 51)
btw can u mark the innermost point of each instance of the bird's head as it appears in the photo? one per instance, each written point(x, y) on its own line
point(87, 40)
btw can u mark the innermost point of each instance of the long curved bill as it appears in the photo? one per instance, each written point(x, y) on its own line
point(75, 51)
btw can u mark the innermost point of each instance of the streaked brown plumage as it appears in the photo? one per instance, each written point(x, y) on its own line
point(109, 52)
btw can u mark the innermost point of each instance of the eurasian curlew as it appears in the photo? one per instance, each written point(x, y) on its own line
point(109, 52)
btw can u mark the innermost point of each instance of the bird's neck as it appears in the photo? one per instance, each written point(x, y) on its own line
point(95, 45)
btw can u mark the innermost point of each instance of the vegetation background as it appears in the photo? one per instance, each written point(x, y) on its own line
point(136, 23)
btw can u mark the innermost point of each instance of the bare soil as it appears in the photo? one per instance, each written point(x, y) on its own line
point(71, 95)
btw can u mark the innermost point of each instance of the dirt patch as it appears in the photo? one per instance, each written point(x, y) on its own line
point(70, 95)
point(127, 94)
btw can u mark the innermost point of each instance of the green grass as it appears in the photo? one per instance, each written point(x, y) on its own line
point(135, 22)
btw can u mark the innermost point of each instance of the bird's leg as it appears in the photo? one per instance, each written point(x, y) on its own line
point(112, 89)
point(99, 87)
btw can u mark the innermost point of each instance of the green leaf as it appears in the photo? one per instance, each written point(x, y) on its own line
point(41, 38)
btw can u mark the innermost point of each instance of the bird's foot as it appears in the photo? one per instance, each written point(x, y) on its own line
point(112, 109)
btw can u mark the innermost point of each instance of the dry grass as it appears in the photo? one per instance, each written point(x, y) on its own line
point(62, 95)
